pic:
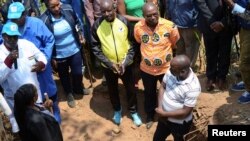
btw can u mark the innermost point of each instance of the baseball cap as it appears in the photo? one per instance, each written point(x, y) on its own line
point(10, 29)
point(15, 10)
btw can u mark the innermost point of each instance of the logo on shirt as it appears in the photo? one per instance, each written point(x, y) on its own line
point(145, 38)
point(157, 62)
point(147, 62)
point(166, 34)
point(168, 57)
point(155, 37)
point(120, 29)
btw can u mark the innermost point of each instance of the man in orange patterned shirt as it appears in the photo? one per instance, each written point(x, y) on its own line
point(157, 37)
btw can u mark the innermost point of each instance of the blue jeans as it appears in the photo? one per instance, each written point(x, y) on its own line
point(74, 63)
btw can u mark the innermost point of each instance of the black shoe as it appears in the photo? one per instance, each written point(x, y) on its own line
point(71, 101)
point(210, 85)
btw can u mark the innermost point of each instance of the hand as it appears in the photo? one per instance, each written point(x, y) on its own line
point(121, 69)
point(160, 112)
point(217, 26)
point(13, 54)
point(115, 68)
point(82, 39)
point(48, 103)
point(38, 67)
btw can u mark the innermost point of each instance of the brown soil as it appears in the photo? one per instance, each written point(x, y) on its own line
point(91, 120)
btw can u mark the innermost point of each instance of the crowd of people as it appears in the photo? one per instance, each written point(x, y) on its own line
point(155, 40)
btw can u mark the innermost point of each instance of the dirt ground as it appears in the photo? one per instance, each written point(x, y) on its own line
point(91, 120)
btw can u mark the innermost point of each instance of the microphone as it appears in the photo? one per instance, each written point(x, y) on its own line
point(15, 64)
point(15, 61)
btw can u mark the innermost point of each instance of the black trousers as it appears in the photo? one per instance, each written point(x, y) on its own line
point(150, 94)
point(129, 83)
point(165, 128)
point(218, 48)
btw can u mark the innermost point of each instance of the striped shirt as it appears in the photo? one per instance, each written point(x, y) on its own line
point(156, 46)
point(180, 93)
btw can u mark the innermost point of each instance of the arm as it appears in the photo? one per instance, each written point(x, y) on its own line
point(6, 63)
point(41, 60)
point(122, 10)
point(178, 114)
point(204, 10)
point(175, 38)
point(131, 52)
point(160, 94)
point(47, 40)
point(88, 5)
point(34, 6)
point(96, 46)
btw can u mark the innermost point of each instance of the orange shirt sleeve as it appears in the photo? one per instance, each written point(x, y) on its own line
point(137, 33)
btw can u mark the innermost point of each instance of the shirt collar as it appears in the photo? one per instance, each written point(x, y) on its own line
point(160, 22)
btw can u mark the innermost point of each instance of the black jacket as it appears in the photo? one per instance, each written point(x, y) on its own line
point(40, 127)
point(211, 11)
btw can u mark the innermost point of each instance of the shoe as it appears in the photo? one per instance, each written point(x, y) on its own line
point(71, 101)
point(210, 85)
point(238, 87)
point(150, 119)
point(136, 119)
point(86, 91)
point(222, 84)
point(244, 98)
point(104, 83)
point(149, 124)
point(117, 117)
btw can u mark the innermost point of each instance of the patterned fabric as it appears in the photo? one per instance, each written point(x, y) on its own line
point(156, 46)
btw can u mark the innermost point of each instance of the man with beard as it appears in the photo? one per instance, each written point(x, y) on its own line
point(112, 43)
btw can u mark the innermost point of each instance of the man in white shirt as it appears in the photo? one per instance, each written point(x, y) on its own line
point(177, 97)
point(19, 61)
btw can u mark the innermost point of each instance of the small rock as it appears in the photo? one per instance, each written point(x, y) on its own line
point(133, 126)
point(116, 130)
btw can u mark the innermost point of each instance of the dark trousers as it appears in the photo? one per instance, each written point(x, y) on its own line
point(150, 94)
point(129, 83)
point(74, 63)
point(165, 128)
point(218, 48)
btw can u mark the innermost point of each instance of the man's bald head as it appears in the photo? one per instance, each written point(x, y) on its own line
point(105, 3)
point(181, 61)
point(151, 14)
point(108, 10)
point(179, 67)
point(148, 6)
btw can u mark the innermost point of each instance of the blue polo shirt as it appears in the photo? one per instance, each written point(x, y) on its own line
point(37, 32)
